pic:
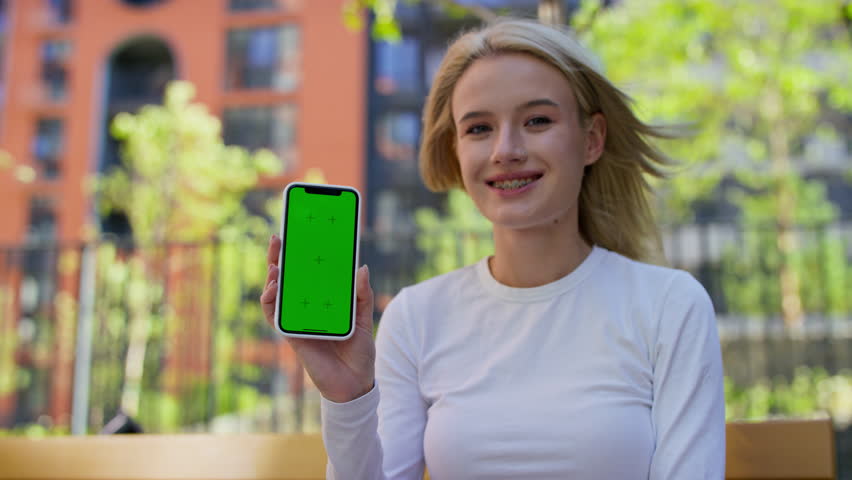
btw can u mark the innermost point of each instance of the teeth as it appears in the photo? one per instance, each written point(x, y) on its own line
point(513, 184)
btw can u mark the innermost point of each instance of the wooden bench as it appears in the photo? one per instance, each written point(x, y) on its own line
point(756, 451)
point(789, 449)
point(172, 457)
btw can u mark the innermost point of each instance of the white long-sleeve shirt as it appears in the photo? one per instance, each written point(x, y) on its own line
point(611, 372)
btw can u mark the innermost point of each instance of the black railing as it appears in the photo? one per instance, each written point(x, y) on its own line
point(177, 339)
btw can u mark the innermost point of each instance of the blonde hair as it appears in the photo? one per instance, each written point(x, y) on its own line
point(614, 205)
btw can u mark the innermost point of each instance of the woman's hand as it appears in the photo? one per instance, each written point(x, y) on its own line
point(342, 371)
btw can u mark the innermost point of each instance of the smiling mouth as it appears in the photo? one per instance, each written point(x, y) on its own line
point(515, 183)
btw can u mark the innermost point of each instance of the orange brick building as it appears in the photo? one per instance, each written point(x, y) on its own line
point(281, 74)
point(287, 66)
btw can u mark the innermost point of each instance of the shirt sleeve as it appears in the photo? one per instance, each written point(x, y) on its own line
point(380, 435)
point(689, 401)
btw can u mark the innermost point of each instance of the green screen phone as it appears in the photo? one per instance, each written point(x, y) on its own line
point(318, 260)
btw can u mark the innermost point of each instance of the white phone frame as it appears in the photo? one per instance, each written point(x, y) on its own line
point(354, 266)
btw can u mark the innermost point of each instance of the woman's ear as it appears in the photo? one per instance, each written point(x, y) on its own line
point(595, 138)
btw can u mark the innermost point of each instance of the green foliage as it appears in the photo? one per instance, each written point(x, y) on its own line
point(35, 430)
point(239, 320)
point(738, 73)
point(179, 181)
point(385, 26)
point(173, 412)
point(122, 290)
point(174, 399)
point(749, 272)
point(750, 269)
point(810, 211)
point(160, 411)
point(30, 385)
point(448, 242)
point(8, 342)
point(811, 393)
point(753, 82)
point(387, 29)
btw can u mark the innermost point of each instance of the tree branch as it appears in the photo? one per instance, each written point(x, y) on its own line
point(581, 29)
point(483, 13)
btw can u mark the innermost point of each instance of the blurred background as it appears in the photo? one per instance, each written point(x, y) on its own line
point(144, 146)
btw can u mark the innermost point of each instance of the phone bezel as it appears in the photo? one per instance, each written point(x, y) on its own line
point(281, 253)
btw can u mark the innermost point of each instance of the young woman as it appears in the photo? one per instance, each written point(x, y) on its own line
point(563, 355)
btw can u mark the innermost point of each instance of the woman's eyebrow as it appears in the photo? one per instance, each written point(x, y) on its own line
point(539, 102)
point(474, 114)
point(532, 103)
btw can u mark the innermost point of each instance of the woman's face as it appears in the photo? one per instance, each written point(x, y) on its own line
point(520, 143)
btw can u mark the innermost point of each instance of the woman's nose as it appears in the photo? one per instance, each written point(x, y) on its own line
point(509, 148)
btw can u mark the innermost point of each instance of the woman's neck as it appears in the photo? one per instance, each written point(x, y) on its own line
point(533, 257)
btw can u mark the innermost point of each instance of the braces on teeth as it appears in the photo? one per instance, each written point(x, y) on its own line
point(513, 184)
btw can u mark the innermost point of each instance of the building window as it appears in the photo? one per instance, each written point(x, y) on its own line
point(263, 58)
point(139, 73)
point(48, 146)
point(55, 51)
point(60, 10)
point(271, 127)
point(54, 75)
point(141, 3)
point(42, 227)
point(396, 136)
point(398, 67)
point(254, 5)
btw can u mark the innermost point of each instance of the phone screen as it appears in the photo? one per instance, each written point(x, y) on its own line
point(318, 260)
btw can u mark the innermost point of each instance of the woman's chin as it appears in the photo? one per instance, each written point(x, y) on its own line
point(519, 222)
point(510, 219)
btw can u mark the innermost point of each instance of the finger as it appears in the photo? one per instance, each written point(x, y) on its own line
point(271, 273)
point(364, 310)
point(274, 250)
point(267, 301)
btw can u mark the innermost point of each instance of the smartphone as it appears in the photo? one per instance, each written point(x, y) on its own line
point(320, 228)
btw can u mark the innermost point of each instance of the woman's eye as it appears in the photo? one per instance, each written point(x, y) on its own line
point(477, 129)
point(538, 121)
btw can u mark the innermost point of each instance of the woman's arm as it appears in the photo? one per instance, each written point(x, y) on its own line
point(689, 400)
point(380, 435)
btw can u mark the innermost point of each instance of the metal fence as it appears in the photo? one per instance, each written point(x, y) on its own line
point(173, 334)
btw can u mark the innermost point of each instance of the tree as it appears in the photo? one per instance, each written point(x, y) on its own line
point(385, 26)
point(454, 240)
point(755, 90)
point(8, 335)
point(178, 183)
point(757, 81)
